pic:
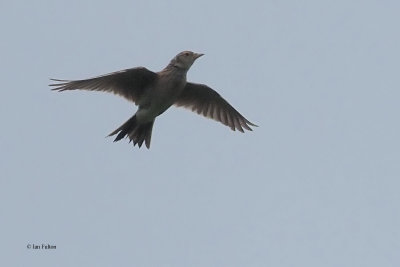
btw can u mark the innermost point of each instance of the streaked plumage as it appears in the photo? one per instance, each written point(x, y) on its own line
point(156, 92)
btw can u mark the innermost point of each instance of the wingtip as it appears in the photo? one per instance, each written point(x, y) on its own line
point(252, 124)
point(58, 80)
point(59, 84)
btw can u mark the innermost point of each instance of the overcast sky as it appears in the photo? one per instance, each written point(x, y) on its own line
point(317, 184)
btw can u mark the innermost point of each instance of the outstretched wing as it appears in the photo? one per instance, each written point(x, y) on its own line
point(129, 83)
point(205, 101)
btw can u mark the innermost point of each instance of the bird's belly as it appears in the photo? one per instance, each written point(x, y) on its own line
point(159, 103)
point(147, 114)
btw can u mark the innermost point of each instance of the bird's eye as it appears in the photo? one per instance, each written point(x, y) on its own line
point(187, 54)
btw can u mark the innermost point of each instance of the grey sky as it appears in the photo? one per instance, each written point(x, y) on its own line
point(317, 184)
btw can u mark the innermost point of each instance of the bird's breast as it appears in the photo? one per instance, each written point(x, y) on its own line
point(160, 97)
point(169, 87)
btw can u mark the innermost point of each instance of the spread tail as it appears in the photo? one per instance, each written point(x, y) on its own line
point(137, 133)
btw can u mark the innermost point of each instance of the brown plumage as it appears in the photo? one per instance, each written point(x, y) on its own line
point(156, 92)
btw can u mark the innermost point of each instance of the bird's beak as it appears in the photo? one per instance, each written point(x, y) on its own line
point(196, 55)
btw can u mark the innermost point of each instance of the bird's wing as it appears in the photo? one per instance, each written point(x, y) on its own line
point(129, 83)
point(205, 101)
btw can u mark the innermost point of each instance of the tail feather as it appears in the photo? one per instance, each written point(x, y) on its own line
point(136, 132)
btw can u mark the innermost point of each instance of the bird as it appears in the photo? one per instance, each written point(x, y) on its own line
point(155, 92)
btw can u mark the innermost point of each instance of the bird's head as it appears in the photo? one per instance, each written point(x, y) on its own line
point(185, 59)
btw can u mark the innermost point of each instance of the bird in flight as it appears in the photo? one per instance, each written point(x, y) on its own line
point(155, 92)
